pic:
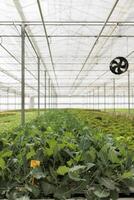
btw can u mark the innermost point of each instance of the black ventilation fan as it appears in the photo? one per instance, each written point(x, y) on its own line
point(119, 65)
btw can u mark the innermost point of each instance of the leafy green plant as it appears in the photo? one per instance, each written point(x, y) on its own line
point(120, 126)
point(73, 158)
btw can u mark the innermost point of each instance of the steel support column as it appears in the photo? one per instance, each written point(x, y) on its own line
point(38, 86)
point(15, 96)
point(93, 99)
point(98, 97)
point(124, 98)
point(49, 92)
point(104, 97)
point(7, 99)
point(88, 100)
point(70, 101)
point(22, 74)
point(45, 89)
point(54, 100)
point(54, 105)
point(114, 94)
point(51, 95)
point(56, 97)
point(129, 92)
point(132, 98)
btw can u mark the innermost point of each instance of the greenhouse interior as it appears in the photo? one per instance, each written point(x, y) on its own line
point(67, 99)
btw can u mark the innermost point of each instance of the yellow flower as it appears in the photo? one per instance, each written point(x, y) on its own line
point(35, 163)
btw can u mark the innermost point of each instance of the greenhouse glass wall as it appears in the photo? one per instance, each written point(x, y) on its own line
point(73, 56)
point(63, 50)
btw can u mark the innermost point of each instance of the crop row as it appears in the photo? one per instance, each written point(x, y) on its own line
point(59, 155)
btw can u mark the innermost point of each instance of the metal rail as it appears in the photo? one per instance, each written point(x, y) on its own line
point(68, 23)
point(101, 95)
point(69, 36)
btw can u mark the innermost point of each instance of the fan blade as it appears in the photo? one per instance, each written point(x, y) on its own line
point(120, 71)
point(114, 62)
point(114, 69)
point(123, 69)
point(125, 66)
point(123, 63)
point(118, 60)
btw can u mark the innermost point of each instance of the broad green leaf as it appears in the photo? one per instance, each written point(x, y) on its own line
point(75, 176)
point(30, 154)
point(101, 193)
point(62, 192)
point(77, 157)
point(5, 154)
point(75, 172)
point(2, 163)
point(48, 151)
point(53, 173)
point(70, 162)
point(62, 170)
point(47, 188)
point(118, 138)
point(108, 183)
point(112, 156)
point(33, 189)
point(89, 165)
point(77, 167)
point(51, 150)
point(92, 153)
point(52, 143)
point(127, 175)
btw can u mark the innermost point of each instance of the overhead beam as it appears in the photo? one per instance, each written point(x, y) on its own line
point(68, 23)
point(84, 86)
point(69, 36)
point(66, 96)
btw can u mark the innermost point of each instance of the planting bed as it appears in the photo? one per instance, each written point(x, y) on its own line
point(11, 120)
point(120, 126)
point(61, 154)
